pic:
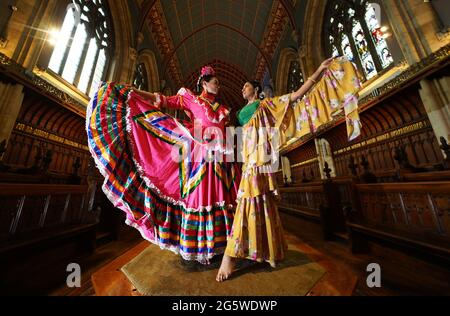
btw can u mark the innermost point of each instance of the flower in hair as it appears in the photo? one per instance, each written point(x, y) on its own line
point(208, 71)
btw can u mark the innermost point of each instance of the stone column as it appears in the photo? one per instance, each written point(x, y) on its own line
point(435, 95)
point(325, 155)
point(11, 98)
point(416, 26)
point(133, 61)
point(311, 40)
point(40, 47)
point(8, 10)
point(286, 167)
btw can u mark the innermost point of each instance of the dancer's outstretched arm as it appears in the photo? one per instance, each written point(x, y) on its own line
point(146, 95)
point(161, 101)
point(300, 93)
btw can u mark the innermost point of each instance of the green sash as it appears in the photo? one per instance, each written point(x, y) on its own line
point(245, 115)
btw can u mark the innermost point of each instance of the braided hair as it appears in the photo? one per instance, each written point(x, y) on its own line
point(203, 78)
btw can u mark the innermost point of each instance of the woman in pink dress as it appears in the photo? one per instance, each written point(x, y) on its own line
point(174, 180)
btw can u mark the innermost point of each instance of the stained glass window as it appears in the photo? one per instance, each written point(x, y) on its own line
point(140, 78)
point(353, 30)
point(334, 50)
point(378, 37)
point(347, 48)
point(295, 78)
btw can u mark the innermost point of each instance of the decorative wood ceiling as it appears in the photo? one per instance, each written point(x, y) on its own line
point(237, 37)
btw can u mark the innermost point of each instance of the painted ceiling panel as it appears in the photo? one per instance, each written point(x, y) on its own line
point(232, 35)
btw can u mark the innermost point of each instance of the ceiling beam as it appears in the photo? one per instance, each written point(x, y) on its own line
point(146, 7)
point(149, 4)
point(170, 56)
point(287, 5)
point(230, 72)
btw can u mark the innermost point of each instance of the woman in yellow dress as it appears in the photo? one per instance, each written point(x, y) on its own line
point(257, 232)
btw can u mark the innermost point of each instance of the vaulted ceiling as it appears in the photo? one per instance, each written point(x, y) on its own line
point(238, 37)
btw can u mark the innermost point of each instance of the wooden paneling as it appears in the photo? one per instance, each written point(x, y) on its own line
point(44, 127)
point(400, 121)
point(419, 208)
point(304, 168)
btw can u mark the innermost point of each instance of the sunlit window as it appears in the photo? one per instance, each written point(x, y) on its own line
point(378, 37)
point(353, 30)
point(81, 52)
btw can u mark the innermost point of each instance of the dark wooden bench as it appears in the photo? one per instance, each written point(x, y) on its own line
point(413, 217)
point(317, 201)
point(43, 228)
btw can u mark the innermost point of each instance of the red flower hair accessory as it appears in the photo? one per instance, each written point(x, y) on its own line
point(208, 71)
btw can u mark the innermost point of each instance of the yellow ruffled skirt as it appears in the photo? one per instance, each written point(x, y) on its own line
point(257, 232)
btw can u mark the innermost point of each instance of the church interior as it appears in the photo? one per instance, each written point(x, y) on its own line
point(379, 203)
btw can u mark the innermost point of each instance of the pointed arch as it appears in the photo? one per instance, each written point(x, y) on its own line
point(148, 58)
point(287, 56)
point(312, 51)
point(123, 64)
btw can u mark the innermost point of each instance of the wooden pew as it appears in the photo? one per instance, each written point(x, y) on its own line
point(413, 217)
point(319, 202)
point(43, 228)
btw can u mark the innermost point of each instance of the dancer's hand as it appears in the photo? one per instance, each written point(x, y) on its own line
point(144, 94)
point(326, 64)
point(300, 93)
point(136, 90)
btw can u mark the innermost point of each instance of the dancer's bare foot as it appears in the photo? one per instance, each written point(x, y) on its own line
point(226, 269)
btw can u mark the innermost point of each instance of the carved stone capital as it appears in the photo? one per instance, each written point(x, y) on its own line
point(133, 54)
point(139, 38)
point(302, 51)
point(295, 36)
point(3, 43)
point(444, 35)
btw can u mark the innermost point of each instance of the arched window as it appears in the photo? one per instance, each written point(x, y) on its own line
point(140, 78)
point(295, 78)
point(353, 29)
point(81, 54)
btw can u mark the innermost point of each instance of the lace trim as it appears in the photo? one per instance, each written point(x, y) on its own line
point(201, 258)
